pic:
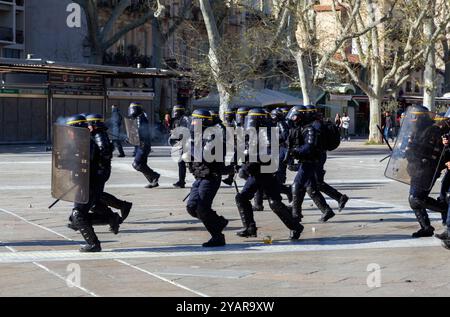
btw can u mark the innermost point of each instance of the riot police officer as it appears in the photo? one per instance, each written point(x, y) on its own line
point(230, 119)
point(208, 176)
point(179, 120)
point(422, 148)
point(80, 218)
point(241, 114)
point(136, 112)
point(116, 123)
point(318, 125)
point(445, 187)
point(230, 125)
point(279, 121)
point(304, 146)
point(258, 179)
point(101, 167)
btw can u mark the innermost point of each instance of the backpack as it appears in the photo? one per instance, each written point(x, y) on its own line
point(330, 135)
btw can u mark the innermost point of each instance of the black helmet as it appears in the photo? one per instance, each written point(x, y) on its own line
point(77, 121)
point(178, 111)
point(201, 117)
point(135, 109)
point(215, 117)
point(256, 118)
point(96, 120)
point(297, 115)
point(285, 110)
point(277, 115)
point(241, 113)
point(230, 116)
point(311, 113)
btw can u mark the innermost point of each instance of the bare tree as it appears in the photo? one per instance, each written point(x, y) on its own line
point(307, 47)
point(389, 53)
point(102, 37)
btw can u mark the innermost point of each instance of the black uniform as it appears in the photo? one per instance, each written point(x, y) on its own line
point(208, 176)
point(143, 150)
point(324, 187)
point(99, 173)
point(304, 145)
point(267, 183)
point(116, 123)
point(179, 119)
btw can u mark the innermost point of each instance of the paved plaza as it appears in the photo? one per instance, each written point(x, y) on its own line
point(364, 251)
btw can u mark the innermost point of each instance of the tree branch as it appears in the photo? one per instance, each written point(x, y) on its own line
point(116, 13)
point(142, 20)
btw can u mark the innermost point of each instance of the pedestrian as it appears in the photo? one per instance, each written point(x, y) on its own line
point(116, 123)
point(388, 126)
point(338, 122)
point(345, 125)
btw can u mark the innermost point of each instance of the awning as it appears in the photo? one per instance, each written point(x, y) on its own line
point(249, 98)
point(42, 66)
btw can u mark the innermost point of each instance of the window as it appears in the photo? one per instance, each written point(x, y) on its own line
point(11, 53)
point(408, 86)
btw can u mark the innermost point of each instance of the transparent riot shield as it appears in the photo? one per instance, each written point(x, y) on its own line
point(132, 132)
point(70, 163)
point(417, 153)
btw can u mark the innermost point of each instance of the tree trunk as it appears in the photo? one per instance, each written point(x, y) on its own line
point(429, 74)
point(446, 51)
point(214, 59)
point(304, 75)
point(157, 47)
point(224, 99)
point(375, 119)
point(97, 54)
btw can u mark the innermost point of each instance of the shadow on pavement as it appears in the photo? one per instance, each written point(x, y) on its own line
point(44, 243)
point(344, 240)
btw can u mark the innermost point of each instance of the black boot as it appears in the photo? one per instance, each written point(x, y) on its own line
point(426, 230)
point(248, 221)
point(343, 202)
point(327, 216)
point(114, 223)
point(446, 244)
point(215, 241)
point(298, 196)
point(442, 236)
point(179, 185)
point(125, 210)
point(248, 232)
point(153, 180)
point(111, 201)
point(285, 216)
point(320, 202)
point(258, 208)
point(93, 244)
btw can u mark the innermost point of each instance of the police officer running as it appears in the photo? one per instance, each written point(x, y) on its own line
point(179, 119)
point(304, 146)
point(257, 179)
point(136, 112)
point(208, 176)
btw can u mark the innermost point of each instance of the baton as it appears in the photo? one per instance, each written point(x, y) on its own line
point(236, 187)
point(384, 138)
point(385, 158)
point(64, 195)
point(186, 197)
